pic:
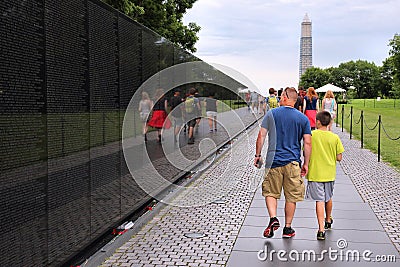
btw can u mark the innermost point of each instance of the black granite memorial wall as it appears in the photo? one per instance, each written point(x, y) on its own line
point(68, 70)
point(23, 135)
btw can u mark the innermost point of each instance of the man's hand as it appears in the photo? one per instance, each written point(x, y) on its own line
point(304, 170)
point(259, 144)
point(258, 162)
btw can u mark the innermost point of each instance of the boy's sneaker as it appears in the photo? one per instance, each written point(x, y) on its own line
point(320, 235)
point(191, 141)
point(272, 226)
point(288, 232)
point(328, 225)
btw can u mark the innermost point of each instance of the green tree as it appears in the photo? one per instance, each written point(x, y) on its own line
point(164, 17)
point(361, 74)
point(386, 74)
point(338, 76)
point(394, 52)
point(127, 7)
point(314, 77)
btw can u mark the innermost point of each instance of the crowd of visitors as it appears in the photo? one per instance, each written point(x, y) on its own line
point(300, 144)
point(182, 112)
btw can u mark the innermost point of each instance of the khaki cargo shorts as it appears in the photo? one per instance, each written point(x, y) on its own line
point(289, 178)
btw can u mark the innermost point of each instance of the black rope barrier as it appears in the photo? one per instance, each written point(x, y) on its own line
point(359, 120)
point(373, 128)
point(388, 136)
point(363, 122)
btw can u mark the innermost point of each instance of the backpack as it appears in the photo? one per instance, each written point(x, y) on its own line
point(190, 105)
point(272, 102)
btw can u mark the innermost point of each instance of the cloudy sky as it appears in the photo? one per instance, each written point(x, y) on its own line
point(261, 38)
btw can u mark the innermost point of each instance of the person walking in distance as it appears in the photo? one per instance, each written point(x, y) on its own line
point(145, 106)
point(176, 112)
point(254, 101)
point(329, 104)
point(198, 112)
point(326, 150)
point(211, 110)
point(272, 101)
point(247, 96)
point(261, 102)
point(300, 99)
point(191, 110)
point(286, 127)
point(310, 106)
point(159, 116)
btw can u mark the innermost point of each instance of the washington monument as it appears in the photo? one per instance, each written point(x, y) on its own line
point(305, 46)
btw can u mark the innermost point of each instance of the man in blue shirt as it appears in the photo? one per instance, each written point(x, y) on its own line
point(286, 127)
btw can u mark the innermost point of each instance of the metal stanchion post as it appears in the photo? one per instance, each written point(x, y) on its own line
point(362, 129)
point(379, 138)
point(351, 121)
point(342, 116)
point(337, 117)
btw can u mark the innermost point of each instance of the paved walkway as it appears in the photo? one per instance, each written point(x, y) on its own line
point(233, 219)
point(377, 182)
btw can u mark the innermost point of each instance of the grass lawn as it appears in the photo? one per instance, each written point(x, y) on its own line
point(231, 104)
point(389, 109)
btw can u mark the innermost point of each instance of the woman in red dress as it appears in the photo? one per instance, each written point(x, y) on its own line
point(159, 118)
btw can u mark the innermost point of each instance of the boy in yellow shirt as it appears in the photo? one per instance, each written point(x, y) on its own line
point(326, 150)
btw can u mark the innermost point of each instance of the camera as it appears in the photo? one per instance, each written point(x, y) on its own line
point(259, 163)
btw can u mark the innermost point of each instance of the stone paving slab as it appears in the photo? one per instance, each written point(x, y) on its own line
point(365, 214)
point(161, 242)
point(354, 221)
point(349, 224)
point(234, 229)
point(377, 182)
point(308, 233)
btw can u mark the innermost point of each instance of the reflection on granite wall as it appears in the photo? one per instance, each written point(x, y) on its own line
point(68, 72)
